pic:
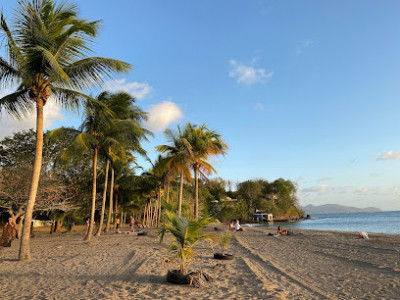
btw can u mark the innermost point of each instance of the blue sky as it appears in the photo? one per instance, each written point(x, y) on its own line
point(304, 90)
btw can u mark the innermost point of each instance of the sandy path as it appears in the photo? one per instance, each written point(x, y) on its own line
point(332, 265)
point(313, 265)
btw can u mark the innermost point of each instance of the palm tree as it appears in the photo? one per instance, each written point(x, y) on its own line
point(46, 51)
point(178, 159)
point(203, 144)
point(89, 137)
point(187, 233)
point(128, 131)
point(160, 174)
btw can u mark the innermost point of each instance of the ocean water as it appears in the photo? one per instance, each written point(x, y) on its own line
point(379, 222)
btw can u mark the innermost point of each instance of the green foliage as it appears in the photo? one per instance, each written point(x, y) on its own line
point(225, 240)
point(46, 53)
point(187, 233)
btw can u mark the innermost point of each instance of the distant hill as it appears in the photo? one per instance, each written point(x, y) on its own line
point(336, 209)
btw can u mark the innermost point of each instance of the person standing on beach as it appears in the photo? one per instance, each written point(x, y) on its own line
point(132, 223)
point(117, 223)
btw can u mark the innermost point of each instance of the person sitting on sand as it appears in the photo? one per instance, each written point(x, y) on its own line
point(238, 227)
point(8, 233)
point(282, 230)
point(232, 226)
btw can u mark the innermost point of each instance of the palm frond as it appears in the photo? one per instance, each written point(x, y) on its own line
point(93, 70)
point(17, 104)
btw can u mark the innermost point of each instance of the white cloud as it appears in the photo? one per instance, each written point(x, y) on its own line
point(368, 191)
point(247, 74)
point(391, 155)
point(316, 189)
point(137, 89)
point(259, 106)
point(161, 115)
point(302, 45)
point(9, 124)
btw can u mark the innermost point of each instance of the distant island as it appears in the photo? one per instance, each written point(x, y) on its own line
point(336, 209)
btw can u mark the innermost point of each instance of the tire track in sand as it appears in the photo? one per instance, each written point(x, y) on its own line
point(262, 268)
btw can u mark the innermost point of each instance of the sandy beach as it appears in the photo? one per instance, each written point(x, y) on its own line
point(306, 265)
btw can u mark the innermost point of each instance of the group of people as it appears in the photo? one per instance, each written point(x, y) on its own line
point(235, 226)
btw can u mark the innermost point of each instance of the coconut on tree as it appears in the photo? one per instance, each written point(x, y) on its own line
point(46, 55)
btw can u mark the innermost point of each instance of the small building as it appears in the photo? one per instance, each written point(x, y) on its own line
point(263, 217)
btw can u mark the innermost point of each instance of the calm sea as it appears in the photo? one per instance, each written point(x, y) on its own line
point(379, 222)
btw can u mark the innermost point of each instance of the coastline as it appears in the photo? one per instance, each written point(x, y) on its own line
point(311, 264)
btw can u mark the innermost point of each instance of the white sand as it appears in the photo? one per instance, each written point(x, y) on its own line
point(308, 265)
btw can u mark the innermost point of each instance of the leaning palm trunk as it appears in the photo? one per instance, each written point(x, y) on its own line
point(148, 215)
point(145, 215)
point(103, 205)
point(180, 196)
point(167, 193)
point(24, 251)
point(91, 221)
point(116, 211)
point(196, 193)
point(110, 211)
point(159, 206)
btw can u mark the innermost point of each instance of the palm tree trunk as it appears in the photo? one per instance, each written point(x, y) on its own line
point(110, 211)
point(24, 250)
point(103, 205)
point(167, 192)
point(148, 215)
point(116, 211)
point(91, 221)
point(180, 196)
point(159, 205)
point(144, 214)
point(196, 193)
point(154, 213)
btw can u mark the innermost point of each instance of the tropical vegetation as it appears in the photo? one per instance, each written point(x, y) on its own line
point(46, 59)
point(61, 175)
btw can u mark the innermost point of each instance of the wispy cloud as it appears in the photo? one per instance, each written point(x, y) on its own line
point(326, 178)
point(137, 89)
point(368, 191)
point(302, 45)
point(161, 115)
point(390, 155)
point(248, 74)
point(258, 106)
point(325, 189)
point(317, 189)
point(8, 124)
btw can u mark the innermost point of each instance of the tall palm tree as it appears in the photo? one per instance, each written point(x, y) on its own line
point(128, 131)
point(90, 137)
point(178, 159)
point(160, 174)
point(46, 50)
point(204, 143)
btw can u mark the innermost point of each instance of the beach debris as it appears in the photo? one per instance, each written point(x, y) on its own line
point(224, 256)
point(219, 266)
point(363, 235)
point(199, 278)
